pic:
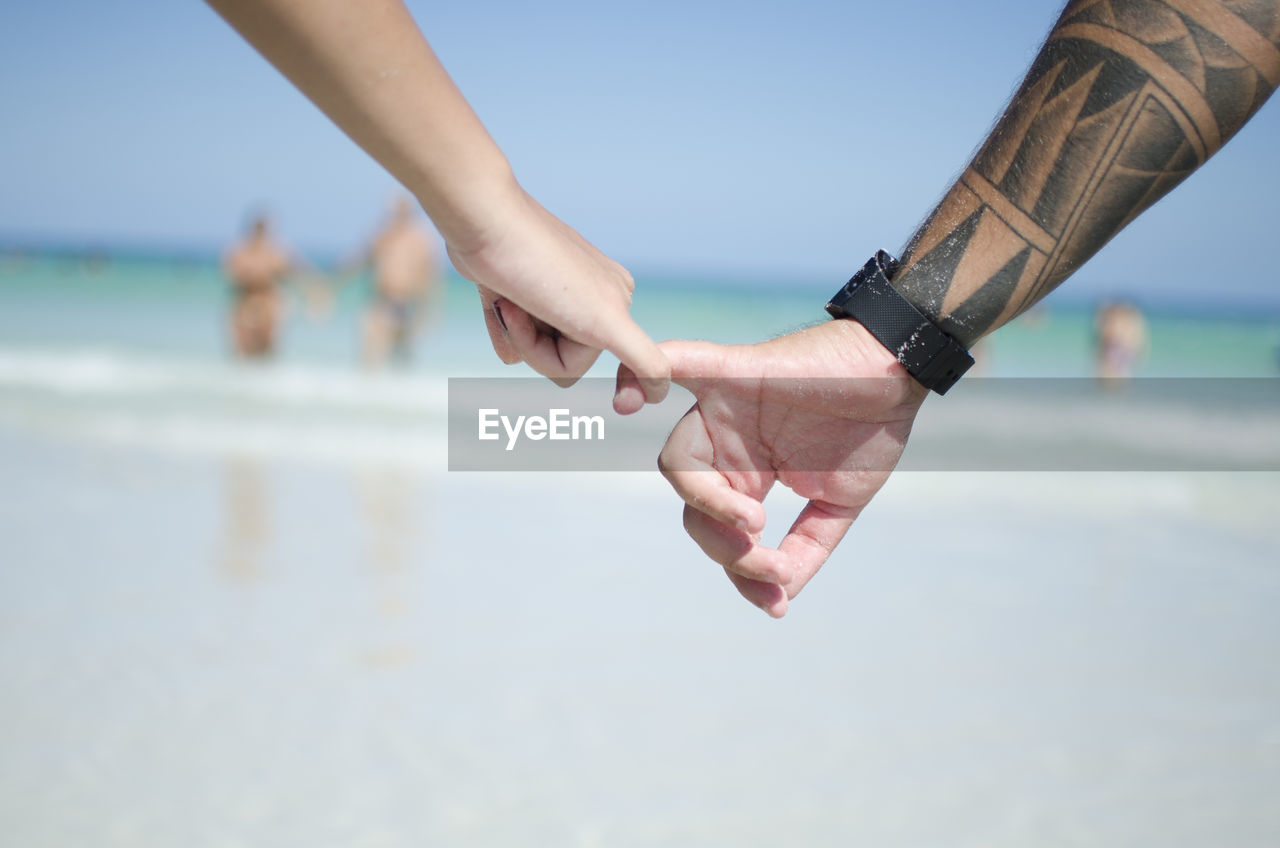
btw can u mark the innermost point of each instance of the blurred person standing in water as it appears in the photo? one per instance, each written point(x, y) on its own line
point(406, 274)
point(255, 268)
point(1121, 340)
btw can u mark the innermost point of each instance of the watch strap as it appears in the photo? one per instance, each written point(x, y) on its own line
point(928, 353)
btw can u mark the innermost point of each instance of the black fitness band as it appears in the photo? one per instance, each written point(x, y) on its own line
point(930, 355)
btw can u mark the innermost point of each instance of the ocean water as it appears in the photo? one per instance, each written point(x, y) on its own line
point(245, 605)
point(134, 352)
point(175, 308)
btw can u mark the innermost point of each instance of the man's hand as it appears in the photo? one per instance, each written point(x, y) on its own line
point(551, 299)
point(825, 411)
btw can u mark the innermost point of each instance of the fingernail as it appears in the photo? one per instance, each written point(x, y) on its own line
point(497, 313)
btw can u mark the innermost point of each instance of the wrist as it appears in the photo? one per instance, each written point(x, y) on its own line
point(843, 370)
point(473, 209)
point(864, 356)
point(928, 353)
point(845, 350)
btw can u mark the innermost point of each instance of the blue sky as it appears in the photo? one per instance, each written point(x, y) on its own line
point(766, 140)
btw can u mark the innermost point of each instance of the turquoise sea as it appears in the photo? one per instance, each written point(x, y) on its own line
point(249, 604)
point(134, 350)
point(173, 308)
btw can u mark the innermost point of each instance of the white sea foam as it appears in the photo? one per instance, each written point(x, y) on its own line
point(282, 411)
point(1178, 430)
point(335, 413)
point(89, 373)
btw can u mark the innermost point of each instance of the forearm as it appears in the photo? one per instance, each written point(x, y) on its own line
point(1125, 100)
point(367, 66)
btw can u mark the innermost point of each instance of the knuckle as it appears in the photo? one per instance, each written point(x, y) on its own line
point(690, 520)
point(664, 468)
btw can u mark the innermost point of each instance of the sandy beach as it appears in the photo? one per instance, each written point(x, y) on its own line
point(224, 651)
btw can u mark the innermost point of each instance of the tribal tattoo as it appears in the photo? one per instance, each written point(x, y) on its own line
point(1125, 100)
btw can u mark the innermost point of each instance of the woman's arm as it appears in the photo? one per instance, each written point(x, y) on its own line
point(550, 297)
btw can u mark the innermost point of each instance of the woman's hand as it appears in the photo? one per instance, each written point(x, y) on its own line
point(551, 299)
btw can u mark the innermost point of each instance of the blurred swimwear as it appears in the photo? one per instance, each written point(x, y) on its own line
point(405, 276)
point(1121, 340)
point(255, 268)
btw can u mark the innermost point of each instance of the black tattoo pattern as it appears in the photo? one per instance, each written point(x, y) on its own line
point(1125, 100)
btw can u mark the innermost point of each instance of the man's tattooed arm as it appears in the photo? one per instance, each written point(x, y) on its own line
point(1125, 100)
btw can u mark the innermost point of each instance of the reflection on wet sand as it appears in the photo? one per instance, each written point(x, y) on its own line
point(247, 525)
point(382, 510)
point(387, 498)
point(386, 501)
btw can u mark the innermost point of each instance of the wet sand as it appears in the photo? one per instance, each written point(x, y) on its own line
point(211, 650)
